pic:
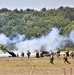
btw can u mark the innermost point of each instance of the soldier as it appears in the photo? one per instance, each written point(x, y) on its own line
point(41, 53)
point(67, 53)
point(22, 54)
point(28, 54)
point(37, 54)
point(58, 52)
point(51, 53)
point(17, 55)
point(51, 59)
point(65, 59)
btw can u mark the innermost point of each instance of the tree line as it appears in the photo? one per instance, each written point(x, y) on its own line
point(34, 23)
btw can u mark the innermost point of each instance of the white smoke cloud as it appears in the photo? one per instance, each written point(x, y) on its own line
point(50, 41)
point(4, 39)
point(71, 36)
point(17, 39)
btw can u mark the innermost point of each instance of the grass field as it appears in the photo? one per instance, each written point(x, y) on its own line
point(24, 66)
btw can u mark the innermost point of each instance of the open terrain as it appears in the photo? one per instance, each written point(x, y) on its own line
point(35, 66)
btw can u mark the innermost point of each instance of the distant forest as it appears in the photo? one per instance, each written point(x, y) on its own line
point(34, 23)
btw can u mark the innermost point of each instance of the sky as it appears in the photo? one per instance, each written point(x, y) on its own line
point(35, 4)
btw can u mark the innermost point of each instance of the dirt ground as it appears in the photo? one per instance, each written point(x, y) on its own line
point(35, 66)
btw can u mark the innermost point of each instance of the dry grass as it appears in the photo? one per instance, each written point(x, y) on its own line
point(23, 66)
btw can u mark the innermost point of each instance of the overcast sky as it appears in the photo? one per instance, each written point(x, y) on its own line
point(35, 4)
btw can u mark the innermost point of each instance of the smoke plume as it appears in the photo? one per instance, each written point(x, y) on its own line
point(50, 41)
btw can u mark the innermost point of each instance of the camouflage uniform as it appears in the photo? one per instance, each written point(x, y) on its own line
point(37, 54)
point(58, 52)
point(41, 53)
point(22, 54)
point(67, 53)
point(65, 59)
point(28, 54)
point(51, 59)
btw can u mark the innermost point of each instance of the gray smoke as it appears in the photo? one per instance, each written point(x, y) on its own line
point(4, 39)
point(17, 39)
point(71, 36)
point(50, 41)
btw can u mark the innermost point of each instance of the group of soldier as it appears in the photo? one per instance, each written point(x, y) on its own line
point(22, 54)
point(52, 55)
point(38, 54)
point(66, 55)
point(42, 53)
